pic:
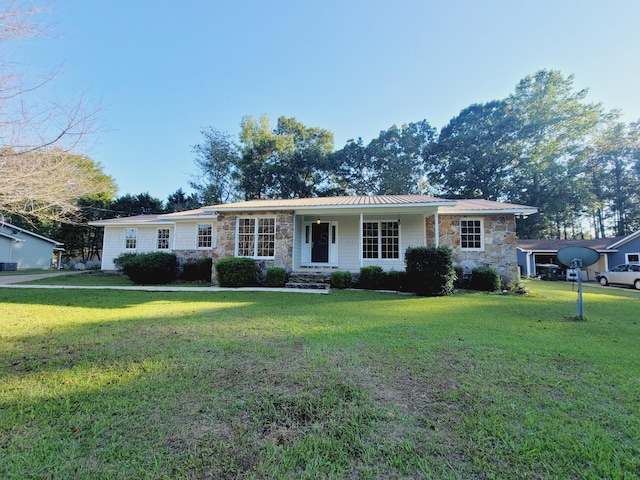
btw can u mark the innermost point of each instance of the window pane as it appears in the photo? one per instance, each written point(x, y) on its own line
point(370, 240)
point(246, 237)
point(390, 239)
point(163, 239)
point(266, 237)
point(205, 235)
point(130, 237)
point(471, 234)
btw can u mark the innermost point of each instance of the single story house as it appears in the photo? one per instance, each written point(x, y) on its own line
point(21, 249)
point(536, 255)
point(342, 233)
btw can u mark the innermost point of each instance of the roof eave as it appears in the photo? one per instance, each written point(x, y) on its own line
point(508, 211)
point(133, 224)
point(626, 239)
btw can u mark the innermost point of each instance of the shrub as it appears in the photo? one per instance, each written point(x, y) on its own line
point(341, 279)
point(485, 279)
point(515, 286)
point(395, 280)
point(122, 258)
point(151, 268)
point(199, 270)
point(462, 280)
point(372, 277)
point(430, 270)
point(275, 277)
point(236, 272)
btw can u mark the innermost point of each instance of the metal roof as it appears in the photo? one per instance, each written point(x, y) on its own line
point(335, 202)
point(343, 205)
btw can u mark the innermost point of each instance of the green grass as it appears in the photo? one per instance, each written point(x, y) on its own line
point(354, 384)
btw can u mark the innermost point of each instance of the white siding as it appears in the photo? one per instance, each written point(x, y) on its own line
point(146, 241)
point(112, 246)
point(412, 233)
point(186, 236)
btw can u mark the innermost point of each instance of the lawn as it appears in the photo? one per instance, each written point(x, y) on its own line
point(354, 384)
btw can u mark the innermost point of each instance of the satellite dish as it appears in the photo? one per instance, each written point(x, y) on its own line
point(576, 258)
point(569, 256)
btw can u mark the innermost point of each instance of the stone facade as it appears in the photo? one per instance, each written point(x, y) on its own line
point(226, 240)
point(499, 242)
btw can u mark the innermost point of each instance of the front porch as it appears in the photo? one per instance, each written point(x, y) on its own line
point(332, 242)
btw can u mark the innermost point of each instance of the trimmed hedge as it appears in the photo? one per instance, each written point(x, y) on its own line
point(198, 270)
point(395, 280)
point(236, 272)
point(430, 270)
point(122, 258)
point(150, 268)
point(341, 279)
point(275, 277)
point(485, 279)
point(371, 278)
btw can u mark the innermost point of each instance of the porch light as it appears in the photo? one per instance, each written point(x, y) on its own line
point(318, 221)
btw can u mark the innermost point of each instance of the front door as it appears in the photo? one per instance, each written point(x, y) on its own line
point(320, 243)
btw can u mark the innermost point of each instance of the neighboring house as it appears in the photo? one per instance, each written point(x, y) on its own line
point(22, 249)
point(535, 255)
point(343, 233)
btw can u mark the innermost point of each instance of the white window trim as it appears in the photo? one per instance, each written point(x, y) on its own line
point(482, 244)
point(306, 245)
point(135, 237)
point(198, 247)
point(255, 236)
point(379, 257)
point(626, 257)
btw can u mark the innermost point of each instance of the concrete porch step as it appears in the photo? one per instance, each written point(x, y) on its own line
point(311, 279)
point(308, 286)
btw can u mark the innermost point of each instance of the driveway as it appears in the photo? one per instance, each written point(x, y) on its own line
point(19, 278)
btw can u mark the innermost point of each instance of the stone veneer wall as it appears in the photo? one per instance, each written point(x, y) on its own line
point(226, 240)
point(499, 242)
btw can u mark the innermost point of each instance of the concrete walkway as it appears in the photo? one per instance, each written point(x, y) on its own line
point(15, 281)
point(19, 277)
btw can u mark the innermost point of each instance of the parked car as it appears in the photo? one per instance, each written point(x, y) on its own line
point(625, 274)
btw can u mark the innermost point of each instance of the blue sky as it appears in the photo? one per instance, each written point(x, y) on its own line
point(159, 71)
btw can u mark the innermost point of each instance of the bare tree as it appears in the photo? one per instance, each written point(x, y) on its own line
point(38, 177)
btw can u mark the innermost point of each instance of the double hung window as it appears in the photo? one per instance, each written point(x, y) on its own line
point(205, 235)
point(163, 239)
point(471, 236)
point(130, 238)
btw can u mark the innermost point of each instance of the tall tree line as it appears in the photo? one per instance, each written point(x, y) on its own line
point(544, 145)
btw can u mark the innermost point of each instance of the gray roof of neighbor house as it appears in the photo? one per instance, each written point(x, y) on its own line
point(553, 245)
point(11, 231)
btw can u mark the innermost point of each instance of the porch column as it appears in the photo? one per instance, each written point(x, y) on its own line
point(360, 242)
point(437, 229)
